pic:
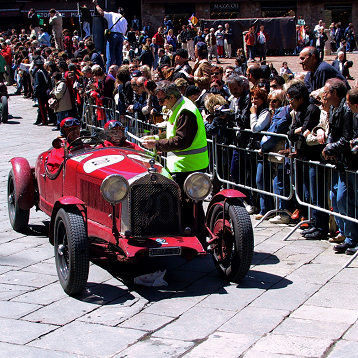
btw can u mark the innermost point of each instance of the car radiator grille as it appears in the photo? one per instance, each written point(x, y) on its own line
point(155, 209)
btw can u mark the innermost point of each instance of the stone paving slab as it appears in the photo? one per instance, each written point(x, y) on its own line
point(156, 347)
point(22, 332)
point(293, 345)
point(344, 349)
point(223, 344)
point(184, 329)
point(254, 321)
point(10, 309)
point(18, 351)
point(90, 340)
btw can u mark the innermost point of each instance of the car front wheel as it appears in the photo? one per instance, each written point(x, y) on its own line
point(19, 218)
point(71, 251)
point(232, 252)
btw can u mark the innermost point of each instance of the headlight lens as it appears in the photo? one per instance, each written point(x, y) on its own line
point(114, 188)
point(197, 186)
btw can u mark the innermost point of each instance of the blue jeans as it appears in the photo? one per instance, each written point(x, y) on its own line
point(263, 182)
point(114, 50)
point(250, 52)
point(60, 116)
point(281, 183)
point(344, 200)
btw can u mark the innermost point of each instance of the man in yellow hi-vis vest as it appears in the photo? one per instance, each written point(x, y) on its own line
point(184, 140)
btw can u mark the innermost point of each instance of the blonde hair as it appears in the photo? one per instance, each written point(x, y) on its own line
point(212, 100)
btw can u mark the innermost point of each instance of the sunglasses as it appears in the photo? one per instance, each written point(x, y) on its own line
point(71, 122)
point(161, 100)
point(216, 73)
point(115, 125)
point(272, 100)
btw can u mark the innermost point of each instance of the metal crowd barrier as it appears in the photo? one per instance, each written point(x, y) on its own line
point(247, 159)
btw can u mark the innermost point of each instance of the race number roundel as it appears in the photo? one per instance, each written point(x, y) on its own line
point(101, 162)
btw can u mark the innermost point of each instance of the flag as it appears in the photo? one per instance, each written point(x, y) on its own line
point(194, 20)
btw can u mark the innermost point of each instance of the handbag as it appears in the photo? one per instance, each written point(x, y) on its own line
point(53, 103)
point(280, 145)
point(107, 32)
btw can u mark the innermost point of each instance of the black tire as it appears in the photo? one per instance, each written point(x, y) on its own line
point(4, 109)
point(236, 233)
point(71, 251)
point(19, 218)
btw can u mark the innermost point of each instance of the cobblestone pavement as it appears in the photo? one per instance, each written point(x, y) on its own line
point(295, 302)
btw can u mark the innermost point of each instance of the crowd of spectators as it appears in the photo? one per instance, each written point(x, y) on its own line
point(315, 108)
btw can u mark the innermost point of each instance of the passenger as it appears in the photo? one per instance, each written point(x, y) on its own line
point(114, 133)
point(70, 128)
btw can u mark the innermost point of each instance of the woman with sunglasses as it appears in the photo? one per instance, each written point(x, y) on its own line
point(280, 123)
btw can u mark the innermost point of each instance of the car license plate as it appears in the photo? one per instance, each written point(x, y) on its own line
point(165, 251)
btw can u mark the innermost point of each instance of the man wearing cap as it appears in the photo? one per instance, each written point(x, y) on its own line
point(182, 67)
point(117, 25)
point(184, 140)
point(41, 85)
point(114, 133)
point(70, 128)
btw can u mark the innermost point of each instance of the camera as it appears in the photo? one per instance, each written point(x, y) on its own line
point(224, 113)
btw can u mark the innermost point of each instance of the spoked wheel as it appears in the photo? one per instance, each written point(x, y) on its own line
point(233, 250)
point(4, 109)
point(19, 218)
point(71, 251)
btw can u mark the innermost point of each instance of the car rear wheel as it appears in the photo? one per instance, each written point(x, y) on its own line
point(4, 109)
point(71, 251)
point(19, 218)
point(232, 252)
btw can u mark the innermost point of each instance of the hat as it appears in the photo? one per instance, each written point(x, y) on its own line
point(69, 122)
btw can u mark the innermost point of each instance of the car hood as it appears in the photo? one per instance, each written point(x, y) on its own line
point(107, 161)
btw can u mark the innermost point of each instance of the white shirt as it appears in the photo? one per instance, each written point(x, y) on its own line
point(120, 26)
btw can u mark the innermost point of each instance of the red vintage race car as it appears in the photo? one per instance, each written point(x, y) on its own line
point(124, 201)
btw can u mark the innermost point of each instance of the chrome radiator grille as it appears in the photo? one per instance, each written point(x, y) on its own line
point(155, 209)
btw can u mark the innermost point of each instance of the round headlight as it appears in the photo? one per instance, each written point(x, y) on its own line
point(197, 186)
point(114, 188)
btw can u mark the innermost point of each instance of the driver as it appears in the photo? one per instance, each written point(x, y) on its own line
point(114, 134)
point(70, 128)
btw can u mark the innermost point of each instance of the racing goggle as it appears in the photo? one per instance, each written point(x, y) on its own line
point(115, 125)
point(71, 122)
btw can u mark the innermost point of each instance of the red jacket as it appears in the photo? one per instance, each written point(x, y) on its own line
point(6, 53)
point(250, 39)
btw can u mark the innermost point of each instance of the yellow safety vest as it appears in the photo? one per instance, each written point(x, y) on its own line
point(194, 157)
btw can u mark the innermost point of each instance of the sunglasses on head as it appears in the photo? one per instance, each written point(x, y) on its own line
point(71, 122)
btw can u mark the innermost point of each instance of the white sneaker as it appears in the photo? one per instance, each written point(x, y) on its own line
point(278, 219)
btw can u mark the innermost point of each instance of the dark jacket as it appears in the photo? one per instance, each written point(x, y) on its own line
point(345, 71)
point(307, 117)
point(40, 82)
point(340, 133)
point(317, 79)
point(178, 71)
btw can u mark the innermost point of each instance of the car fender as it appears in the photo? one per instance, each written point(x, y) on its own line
point(24, 182)
point(229, 196)
point(67, 202)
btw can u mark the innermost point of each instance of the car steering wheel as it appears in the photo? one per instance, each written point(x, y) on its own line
point(85, 140)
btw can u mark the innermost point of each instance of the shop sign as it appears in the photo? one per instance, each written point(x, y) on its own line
point(225, 6)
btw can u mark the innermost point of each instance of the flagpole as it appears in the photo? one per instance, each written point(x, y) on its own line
point(79, 18)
